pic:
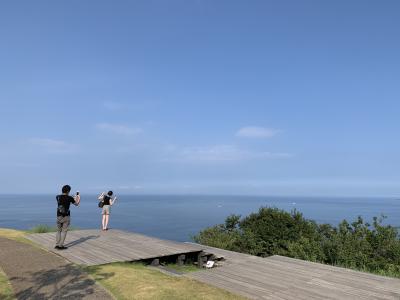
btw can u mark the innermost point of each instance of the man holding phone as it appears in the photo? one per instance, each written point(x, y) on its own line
point(64, 215)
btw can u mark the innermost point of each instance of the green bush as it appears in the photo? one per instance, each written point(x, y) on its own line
point(358, 245)
point(41, 228)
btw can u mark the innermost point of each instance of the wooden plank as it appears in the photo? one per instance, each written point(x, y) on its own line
point(97, 247)
point(367, 280)
point(287, 278)
point(276, 277)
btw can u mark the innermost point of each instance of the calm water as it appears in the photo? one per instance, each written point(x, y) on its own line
point(180, 217)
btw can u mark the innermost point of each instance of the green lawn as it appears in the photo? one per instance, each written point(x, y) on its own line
point(136, 281)
point(13, 234)
point(6, 292)
point(183, 268)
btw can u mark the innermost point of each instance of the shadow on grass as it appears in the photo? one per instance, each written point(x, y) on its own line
point(6, 297)
point(66, 282)
point(95, 272)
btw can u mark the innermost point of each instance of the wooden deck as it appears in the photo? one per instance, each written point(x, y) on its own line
point(275, 277)
point(95, 247)
point(279, 277)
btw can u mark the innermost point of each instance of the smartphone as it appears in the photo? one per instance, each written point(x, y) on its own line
point(77, 193)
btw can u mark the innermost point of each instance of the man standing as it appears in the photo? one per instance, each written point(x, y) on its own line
point(63, 214)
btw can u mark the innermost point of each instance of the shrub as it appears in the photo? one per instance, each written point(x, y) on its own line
point(42, 228)
point(358, 245)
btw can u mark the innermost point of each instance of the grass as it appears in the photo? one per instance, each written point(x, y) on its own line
point(136, 281)
point(13, 234)
point(43, 228)
point(6, 292)
point(20, 235)
point(183, 268)
point(130, 281)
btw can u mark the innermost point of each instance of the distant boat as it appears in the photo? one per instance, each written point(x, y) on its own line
point(294, 203)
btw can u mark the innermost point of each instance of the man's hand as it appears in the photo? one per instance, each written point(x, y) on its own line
point(77, 199)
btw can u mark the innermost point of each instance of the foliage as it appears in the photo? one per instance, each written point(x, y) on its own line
point(358, 245)
point(42, 228)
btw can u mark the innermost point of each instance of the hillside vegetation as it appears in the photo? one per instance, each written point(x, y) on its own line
point(358, 245)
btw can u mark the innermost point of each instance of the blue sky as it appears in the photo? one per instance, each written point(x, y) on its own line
point(209, 97)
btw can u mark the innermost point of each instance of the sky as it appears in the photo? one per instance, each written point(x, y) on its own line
point(200, 97)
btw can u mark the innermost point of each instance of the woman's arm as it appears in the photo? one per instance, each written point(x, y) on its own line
point(113, 200)
point(101, 196)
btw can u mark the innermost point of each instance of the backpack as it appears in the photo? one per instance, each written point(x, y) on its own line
point(101, 202)
point(61, 208)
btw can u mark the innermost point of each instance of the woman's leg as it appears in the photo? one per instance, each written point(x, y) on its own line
point(107, 219)
point(103, 221)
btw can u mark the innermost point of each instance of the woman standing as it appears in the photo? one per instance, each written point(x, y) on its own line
point(108, 201)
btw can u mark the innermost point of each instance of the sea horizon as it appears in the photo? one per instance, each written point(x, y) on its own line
point(212, 195)
point(179, 217)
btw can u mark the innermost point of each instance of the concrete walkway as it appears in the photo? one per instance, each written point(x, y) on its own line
point(38, 274)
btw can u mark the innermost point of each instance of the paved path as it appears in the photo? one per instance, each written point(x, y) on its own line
point(38, 274)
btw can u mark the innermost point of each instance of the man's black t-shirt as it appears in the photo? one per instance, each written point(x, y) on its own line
point(63, 203)
point(106, 200)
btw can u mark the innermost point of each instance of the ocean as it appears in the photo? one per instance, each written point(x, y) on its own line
point(180, 217)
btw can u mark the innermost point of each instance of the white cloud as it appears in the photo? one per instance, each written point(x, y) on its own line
point(221, 153)
point(53, 146)
point(213, 153)
point(118, 129)
point(257, 132)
